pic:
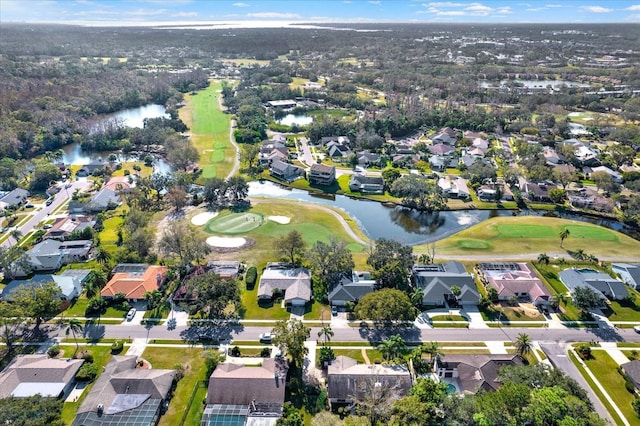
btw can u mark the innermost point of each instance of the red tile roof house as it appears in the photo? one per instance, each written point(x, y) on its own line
point(134, 280)
point(515, 279)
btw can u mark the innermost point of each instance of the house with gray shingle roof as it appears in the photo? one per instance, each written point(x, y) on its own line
point(473, 373)
point(126, 395)
point(29, 375)
point(14, 198)
point(366, 184)
point(347, 379)
point(603, 284)
point(295, 283)
point(285, 171)
point(51, 255)
point(630, 273)
point(351, 288)
point(70, 283)
point(632, 369)
point(436, 281)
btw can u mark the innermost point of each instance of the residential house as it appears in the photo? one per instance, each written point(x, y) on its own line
point(225, 268)
point(285, 171)
point(321, 174)
point(105, 199)
point(326, 140)
point(441, 149)
point(134, 280)
point(351, 288)
point(70, 283)
point(535, 191)
point(454, 187)
point(366, 184)
point(589, 171)
point(439, 163)
point(272, 150)
point(278, 277)
point(89, 169)
point(584, 154)
point(30, 375)
point(367, 158)
point(346, 379)
point(471, 374)
point(14, 199)
point(480, 143)
point(514, 280)
point(444, 137)
point(126, 395)
point(338, 151)
point(551, 156)
point(603, 284)
point(632, 370)
point(51, 255)
point(490, 192)
point(63, 227)
point(119, 184)
point(240, 395)
point(630, 273)
point(437, 280)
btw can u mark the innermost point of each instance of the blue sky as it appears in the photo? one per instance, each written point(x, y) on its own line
point(183, 11)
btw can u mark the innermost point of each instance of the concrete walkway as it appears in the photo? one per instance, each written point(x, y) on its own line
point(137, 347)
point(612, 349)
point(475, 317)
point(496, 347)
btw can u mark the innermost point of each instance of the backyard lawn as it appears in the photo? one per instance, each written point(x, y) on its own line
point(534, 235)
point(192, 361)
point(209, 128)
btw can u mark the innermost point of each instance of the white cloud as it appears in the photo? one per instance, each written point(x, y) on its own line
point(240, 5)
point(445, 4)
point(147, 12)
point(634, 7)
point(477, 7)
point(465, 9)
point(554, 5)
point(274, 15)
point(374, 2)
point(597, 9)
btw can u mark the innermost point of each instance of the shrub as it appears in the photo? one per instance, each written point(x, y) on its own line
point(251, 277)
point(636, 406)
point(87, 373)
point(117, 347)
point(584, 350)
point(88, 357)
point(265, 352)
point(53, 351)
point(235, 351)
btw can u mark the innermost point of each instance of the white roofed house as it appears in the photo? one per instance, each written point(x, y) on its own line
point(454, 187)
point(630, 273)
point(294, 283)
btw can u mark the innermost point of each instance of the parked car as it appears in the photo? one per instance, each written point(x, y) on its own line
point(47, 226)
point(334, 311)
point(29, 206)
point(131, 314)
point(49, 201)
point(266, 337)
point(636, 328)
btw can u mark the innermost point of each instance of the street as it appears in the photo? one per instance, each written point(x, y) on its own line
point(41, 211)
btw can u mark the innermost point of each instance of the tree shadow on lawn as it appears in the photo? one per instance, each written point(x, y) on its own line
point(383, 331)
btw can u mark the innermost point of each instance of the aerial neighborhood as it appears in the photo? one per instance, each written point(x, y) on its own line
point(412, 225)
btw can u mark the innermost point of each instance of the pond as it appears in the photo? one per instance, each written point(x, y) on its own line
point(409, 226)
point(132, 117)
point(298, 120)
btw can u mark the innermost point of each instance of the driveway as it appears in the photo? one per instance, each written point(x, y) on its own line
point(306, 157)
point(43, 211)
point(557, 354)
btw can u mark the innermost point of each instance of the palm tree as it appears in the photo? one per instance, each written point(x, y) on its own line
point(73, 326)
point(433, 349)
point(16, 234)
point(579, 254)
point(543, 258)
point(102, 256)
point(523, 344)
point(556, 300)
point(392, 348)
point(153, 298)
point(563, 235)
point(95, 281)
point(326, 332)
point(416, 297)
point(456, 291)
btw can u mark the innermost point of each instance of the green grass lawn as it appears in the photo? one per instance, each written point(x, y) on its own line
point(234, 223)
point(79, 307)
point(193, 362)
point(624, 310)
point(101, 356)
point(605, 369)
point(534, 235)
point(209, 128)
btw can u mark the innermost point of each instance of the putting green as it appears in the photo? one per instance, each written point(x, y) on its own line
point(234, 223)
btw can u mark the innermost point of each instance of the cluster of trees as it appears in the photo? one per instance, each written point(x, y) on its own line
point(211, 296)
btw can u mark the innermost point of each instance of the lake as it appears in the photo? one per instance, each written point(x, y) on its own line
point(132, 117)
point(555, 84)
point(298, 120)
point(410, 226)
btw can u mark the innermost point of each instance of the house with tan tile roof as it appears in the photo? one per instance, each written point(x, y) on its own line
point(134, 280)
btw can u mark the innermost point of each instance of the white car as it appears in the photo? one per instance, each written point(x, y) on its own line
point(636, 328)
point(131, 314)
point(266, 337)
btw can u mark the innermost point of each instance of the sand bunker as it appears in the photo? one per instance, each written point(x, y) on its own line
point(282, 220)
point(226, 242)
point(202, 218)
